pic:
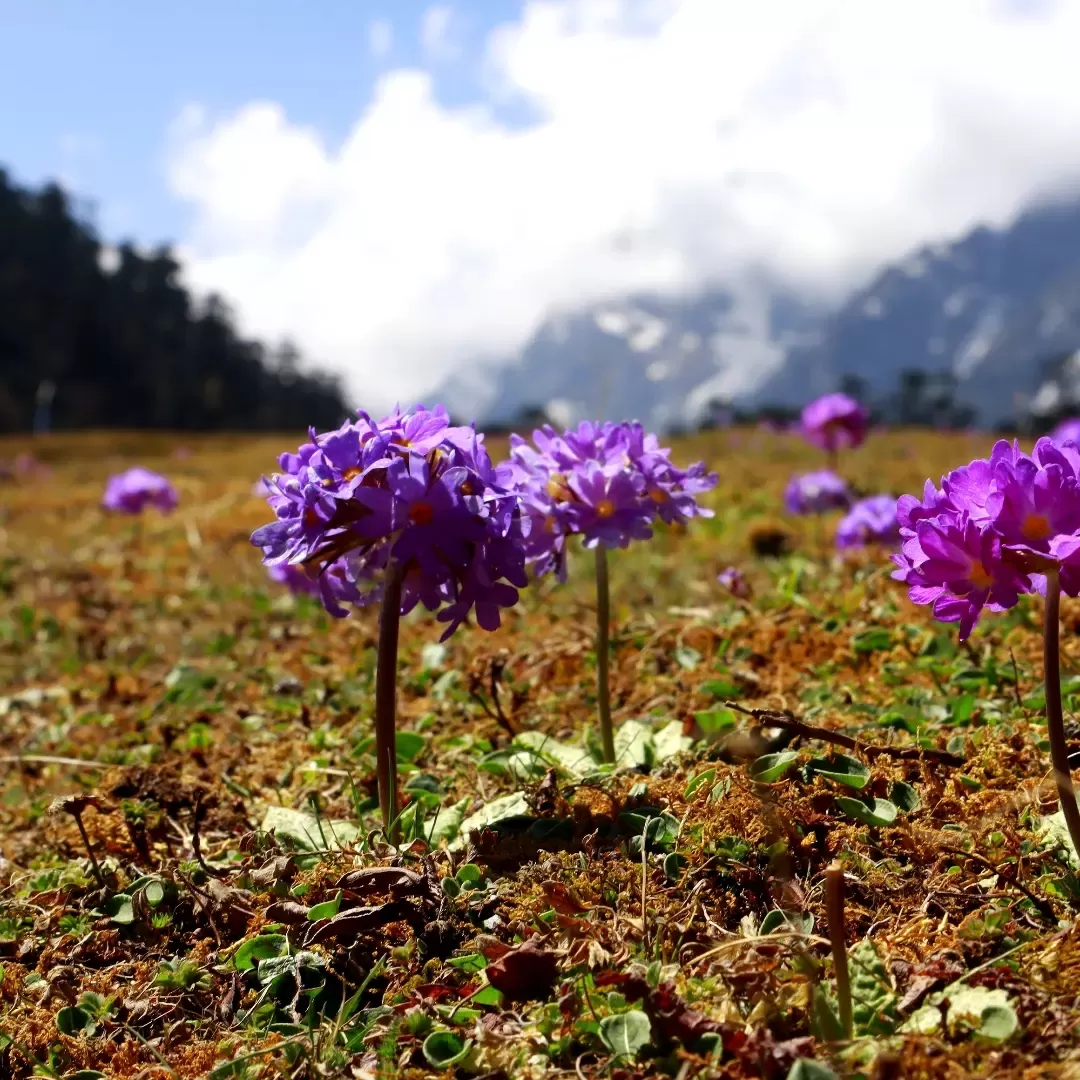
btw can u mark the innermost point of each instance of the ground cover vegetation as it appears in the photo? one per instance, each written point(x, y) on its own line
point(197, 879)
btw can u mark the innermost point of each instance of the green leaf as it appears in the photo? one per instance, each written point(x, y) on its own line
point(674, 865)
point(634, 744)
point(905, 797)
point(301, 831)
point(445, 824)
point(805, 1069)
point(119, 909)
point(721, 688)
point(670, 740)
point(801, 923)
point(507, 806)
point(154, 891)
point(687, 658)
point(841, 769)
point(408, 745)
point(875, 812)
point(998, 1022)
point(986, 1012)
point(575, 760)
point(470, 875)
point(445, 1048)
point(876, 640)
point(263, 947)
point(714, 722)
point(768, 768)
point(326, 910)
point(874, 1004)
point(432, 656)
point(72, 1020)
point(705, 777)
point(625, 1034)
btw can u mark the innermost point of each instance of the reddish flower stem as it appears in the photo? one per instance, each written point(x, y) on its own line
point(834, 908)
point(603, 621)
point(1055, 723)
point(386, 698)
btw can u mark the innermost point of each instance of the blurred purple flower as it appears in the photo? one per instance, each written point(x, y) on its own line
point(132, 491)
point(732, 579)
point(816, 493)
point(1067, 431)
point(869, 521)
point(294, 579)
point(835, 421)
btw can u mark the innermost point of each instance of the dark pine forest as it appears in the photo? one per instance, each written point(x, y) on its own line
point(120, 343)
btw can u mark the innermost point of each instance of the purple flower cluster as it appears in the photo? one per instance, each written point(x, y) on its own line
point(409, 494)
point(816, 493)
point(869, 521)
point(606, 483)
point(993, 530)
point(132, 491)
point(731, 578)
point(835, 421)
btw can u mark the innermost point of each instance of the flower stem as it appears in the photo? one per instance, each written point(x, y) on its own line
point(834, 907)
point(386, 698)
point(603, 620)
point(1055, 724)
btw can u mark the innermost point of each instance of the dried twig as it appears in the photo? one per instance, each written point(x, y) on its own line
point(774, 718)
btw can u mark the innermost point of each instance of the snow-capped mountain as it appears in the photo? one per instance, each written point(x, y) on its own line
point(984, 321)
point(988, 311)
point(660, 360)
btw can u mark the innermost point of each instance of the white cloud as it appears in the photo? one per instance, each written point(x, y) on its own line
point(380, 38)
point(436, 37)
point(675, 143)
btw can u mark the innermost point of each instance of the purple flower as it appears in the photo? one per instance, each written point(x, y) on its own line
point(732, 579)
point(956, 566)
point(869, 521)
point(1067, 431)
point(410, 493)
point(816, 493)
point(835, 421)
point(132, 491)
point(294, 579)
point(607, 483)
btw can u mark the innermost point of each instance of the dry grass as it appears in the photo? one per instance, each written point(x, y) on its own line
point(155, 667)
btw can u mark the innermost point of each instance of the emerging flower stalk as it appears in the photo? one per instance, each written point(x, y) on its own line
point(607, 483)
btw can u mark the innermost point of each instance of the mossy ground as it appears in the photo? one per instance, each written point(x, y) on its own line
point(151, 668)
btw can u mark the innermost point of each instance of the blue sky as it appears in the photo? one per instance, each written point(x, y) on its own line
point(340, 195)
point(90, 87)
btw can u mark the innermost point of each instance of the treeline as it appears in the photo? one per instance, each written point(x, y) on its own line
point(89, 340)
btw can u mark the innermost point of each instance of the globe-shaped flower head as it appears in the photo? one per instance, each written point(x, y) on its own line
point(869, 521)
point(408, 494)
point(132, 491)
point(607, 483)
point(834, 422)
point(816, 493)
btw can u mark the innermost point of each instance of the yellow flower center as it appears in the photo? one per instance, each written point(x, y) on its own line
point(605, 508)
point(466, 488)
point(352, 474)
point(1036, 527)
point(558, 489)
point(979, 577)
point(658, 495)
